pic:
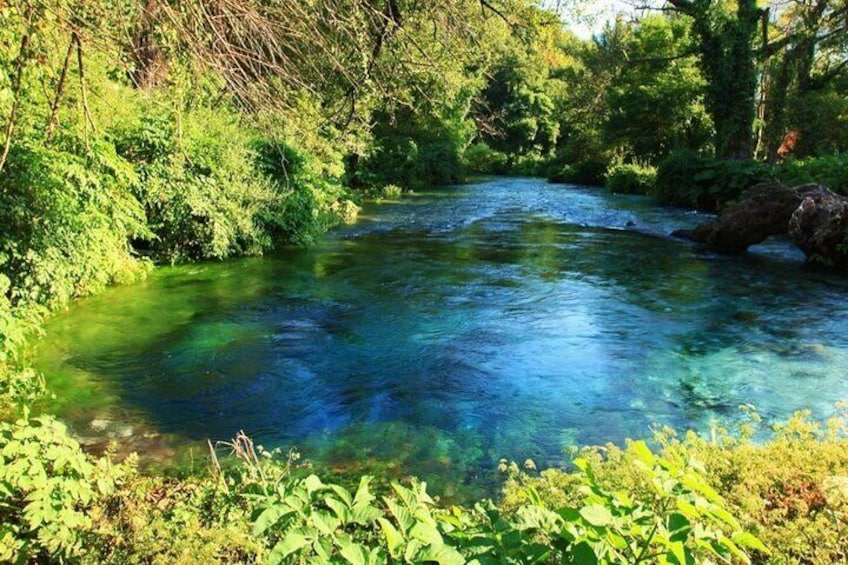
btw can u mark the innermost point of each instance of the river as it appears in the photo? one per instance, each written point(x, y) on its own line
point(508, 318)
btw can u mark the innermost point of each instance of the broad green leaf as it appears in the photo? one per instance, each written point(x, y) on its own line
point(401, 514)
point(406, 495)
point(679, 527)
point(363, 494)
point(724, 516)
point(363, 513)
point(583, 554)
point(748, 540)
point(426, 533)
point(354, 553)
point(443, 554)
point(678, 550)
point(325, 522)
point(700, 486)
point(312, 484)
point(394, 540)
point(269, 517)
point(688, 510)
point(343, 494)
point(642, 452)
point(734, 549)
point(569, 514)
point(338, 507)
point(291, 543)
point(596, 515)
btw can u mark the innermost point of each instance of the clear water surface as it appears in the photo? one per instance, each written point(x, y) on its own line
point(504, 319)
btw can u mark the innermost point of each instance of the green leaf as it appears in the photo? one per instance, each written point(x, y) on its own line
point(724, 516)
point(363, 494)
point(734, 549)
point(312, 484)
point(354, 553)
point(339, 508)
point(443, 554)
point(268, 518)
point(700, 486)
point(401, 514)
point(748, 540)
point(642, 452)
point(291, 543)
point(678, 550)
point(679, 527)
point(343, 494)
point(394, 540)
point(596, 515)
point(427, 533)
point(325, 522)
point(583, 554)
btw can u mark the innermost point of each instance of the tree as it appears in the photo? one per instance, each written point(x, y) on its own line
point(726, 45)
point(807, 58)
point(656, 101)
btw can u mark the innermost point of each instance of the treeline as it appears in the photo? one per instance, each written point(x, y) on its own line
point(183, 131)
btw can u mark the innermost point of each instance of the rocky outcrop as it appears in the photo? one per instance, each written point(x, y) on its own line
point(819, 227)
point(814, 217)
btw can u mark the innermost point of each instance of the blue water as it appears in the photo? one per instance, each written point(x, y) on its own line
point(508, 318)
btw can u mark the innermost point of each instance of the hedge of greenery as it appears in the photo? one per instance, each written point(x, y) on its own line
point(691, 180)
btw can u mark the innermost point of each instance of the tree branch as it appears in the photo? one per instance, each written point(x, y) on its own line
point(16, 87)
point(60, 89)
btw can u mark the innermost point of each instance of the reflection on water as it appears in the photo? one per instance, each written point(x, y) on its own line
point(508, 318)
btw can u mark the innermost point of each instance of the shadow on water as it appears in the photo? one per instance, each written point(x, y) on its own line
point(504, 319)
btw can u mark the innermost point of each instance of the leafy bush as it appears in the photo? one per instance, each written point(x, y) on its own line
point(480, 158)
point(590, 172)
point(831, 171)
point(47, 487)
point(201, 192)
point(687, 179)
point(630, 178)
point(307, 202)
point(219, 189)
point(67, 219)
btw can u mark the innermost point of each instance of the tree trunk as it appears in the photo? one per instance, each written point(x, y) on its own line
point(150, 64)
point(726, 45)
point(17, 81)
point(60, 89)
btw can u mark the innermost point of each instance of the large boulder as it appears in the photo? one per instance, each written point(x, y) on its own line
point(765, 212)
point(814, 217)
point(819, 226)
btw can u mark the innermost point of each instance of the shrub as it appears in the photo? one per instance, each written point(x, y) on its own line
point(201, 191)
point(306, 201)
point(47, 487)
point(630, 178)
point(831, 171)
point(480, 158)
point(685, 178)
point(589, 172)
point(67, 219)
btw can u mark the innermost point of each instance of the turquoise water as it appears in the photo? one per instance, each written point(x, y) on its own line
point(505, 319)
